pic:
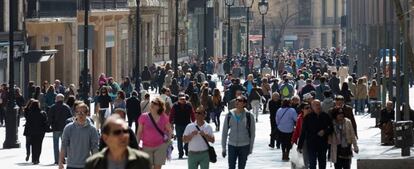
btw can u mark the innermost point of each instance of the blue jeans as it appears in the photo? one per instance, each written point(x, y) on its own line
point(317, 153)
point(239, 153)
point(360, 105)
point(56, 136)
point(179, 131)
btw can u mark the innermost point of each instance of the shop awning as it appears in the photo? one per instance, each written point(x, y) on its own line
point(35, 56)
point(254, 38)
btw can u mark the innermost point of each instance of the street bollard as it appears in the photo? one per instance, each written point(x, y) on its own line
point(403, 136)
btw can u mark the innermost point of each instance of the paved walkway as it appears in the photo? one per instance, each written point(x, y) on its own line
point(262, 158)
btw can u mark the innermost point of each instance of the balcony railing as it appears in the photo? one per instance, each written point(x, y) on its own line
point(51, 8)
point(104, 4)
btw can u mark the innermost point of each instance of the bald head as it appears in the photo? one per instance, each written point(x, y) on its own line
point(316, 106)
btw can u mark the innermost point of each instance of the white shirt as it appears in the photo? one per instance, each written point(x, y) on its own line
point(197, 143)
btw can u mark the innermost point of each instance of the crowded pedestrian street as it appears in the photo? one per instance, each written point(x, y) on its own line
point(206, 84)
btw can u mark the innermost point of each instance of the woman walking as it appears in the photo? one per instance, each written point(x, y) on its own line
point(34, 130)
point(285, 119)
point(342, 141)
point(154, 130)
point(305, 109)
point(120, 102)
point(217, 108)
point(207, 103)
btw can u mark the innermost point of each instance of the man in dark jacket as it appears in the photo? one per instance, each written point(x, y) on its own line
point(181, 114)
point(57, 116)
point(334, 84)
point(117, 154)
point(133, 108)
point(316, 128)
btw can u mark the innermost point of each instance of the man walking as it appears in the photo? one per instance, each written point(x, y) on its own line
point(58, 114)
point(182, 114)
point(118, 154)
point(79, 140)
point(194, 135)
point(316, 128)
point(133, 108)
point(241, 136)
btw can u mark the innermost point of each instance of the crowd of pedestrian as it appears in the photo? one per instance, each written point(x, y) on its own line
point(310, 96)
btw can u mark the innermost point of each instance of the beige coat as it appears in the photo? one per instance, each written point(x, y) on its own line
point(350, 139)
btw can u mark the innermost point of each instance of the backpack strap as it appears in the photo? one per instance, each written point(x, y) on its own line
point(248, 118)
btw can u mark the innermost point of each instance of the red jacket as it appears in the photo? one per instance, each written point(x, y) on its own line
point(298, 129)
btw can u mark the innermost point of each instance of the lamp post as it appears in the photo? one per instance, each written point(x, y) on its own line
point(229, 3)
point(205, 35)
point(137, 50)
point(11, 140)
point(263, 8)
point(175, 60)
point(248, 4)
point(84, 73)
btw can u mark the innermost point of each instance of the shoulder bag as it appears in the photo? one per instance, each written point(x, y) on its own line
point(211, 152)
point(164, 136)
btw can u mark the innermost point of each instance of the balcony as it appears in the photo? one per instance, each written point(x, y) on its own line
point(104, 4)
point(51, 8)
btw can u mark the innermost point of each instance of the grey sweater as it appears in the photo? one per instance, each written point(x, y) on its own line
point(238, 135)
point(79, 142)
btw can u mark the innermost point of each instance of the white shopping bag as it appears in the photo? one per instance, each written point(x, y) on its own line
point(296, 159)
point(107, 112)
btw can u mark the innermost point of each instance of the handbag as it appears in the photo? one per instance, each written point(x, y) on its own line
point(211, 152)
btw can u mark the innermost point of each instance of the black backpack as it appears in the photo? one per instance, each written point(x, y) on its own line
point(248, 122)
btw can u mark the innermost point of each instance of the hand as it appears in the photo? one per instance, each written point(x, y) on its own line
point(321, 133)
point(223, 154)
point(299, 150)
point(356, 149)
point(194, 133)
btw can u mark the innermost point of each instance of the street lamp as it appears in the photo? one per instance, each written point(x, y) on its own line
point(175, 60)
point(248, 4)
point(84, 73)
point(205, 35)
point(263, 8)
point(229, 3)
point(137, 50)
point(11, 140)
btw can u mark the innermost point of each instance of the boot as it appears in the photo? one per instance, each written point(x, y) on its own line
point(287, 155)
point(283, 155)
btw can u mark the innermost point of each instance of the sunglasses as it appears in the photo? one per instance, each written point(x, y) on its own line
point(182, 99)
point(307, 107)
point(156, 103)
point(119, 132)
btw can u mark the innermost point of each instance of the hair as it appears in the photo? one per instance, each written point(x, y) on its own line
point(71, 101)
point(303, 105)
point(121, 94)
point(147, 96)
point(134, 93)
point(201, 109)
point(285, 103)
point(60, 97)
point(327, 93)
point(216, 96)
point(110, 120)
point(345, 86)
point(117, 110)
point(336, 112)
point(161, 104)
point(35, 105)
point(83, 105)
point(28, 105)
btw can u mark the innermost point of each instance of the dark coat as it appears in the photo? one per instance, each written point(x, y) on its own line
point(136, 159)
point(334, 85)
point(312, 124)
point(36, 123)
point(58, 114)
point(133, 108)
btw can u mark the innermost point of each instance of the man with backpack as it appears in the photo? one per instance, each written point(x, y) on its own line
point(242, 133)
point(286, 89)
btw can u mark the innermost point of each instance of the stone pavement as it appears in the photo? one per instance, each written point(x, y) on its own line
point(262, 158)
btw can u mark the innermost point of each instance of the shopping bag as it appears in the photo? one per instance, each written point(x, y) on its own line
point(296, 159)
